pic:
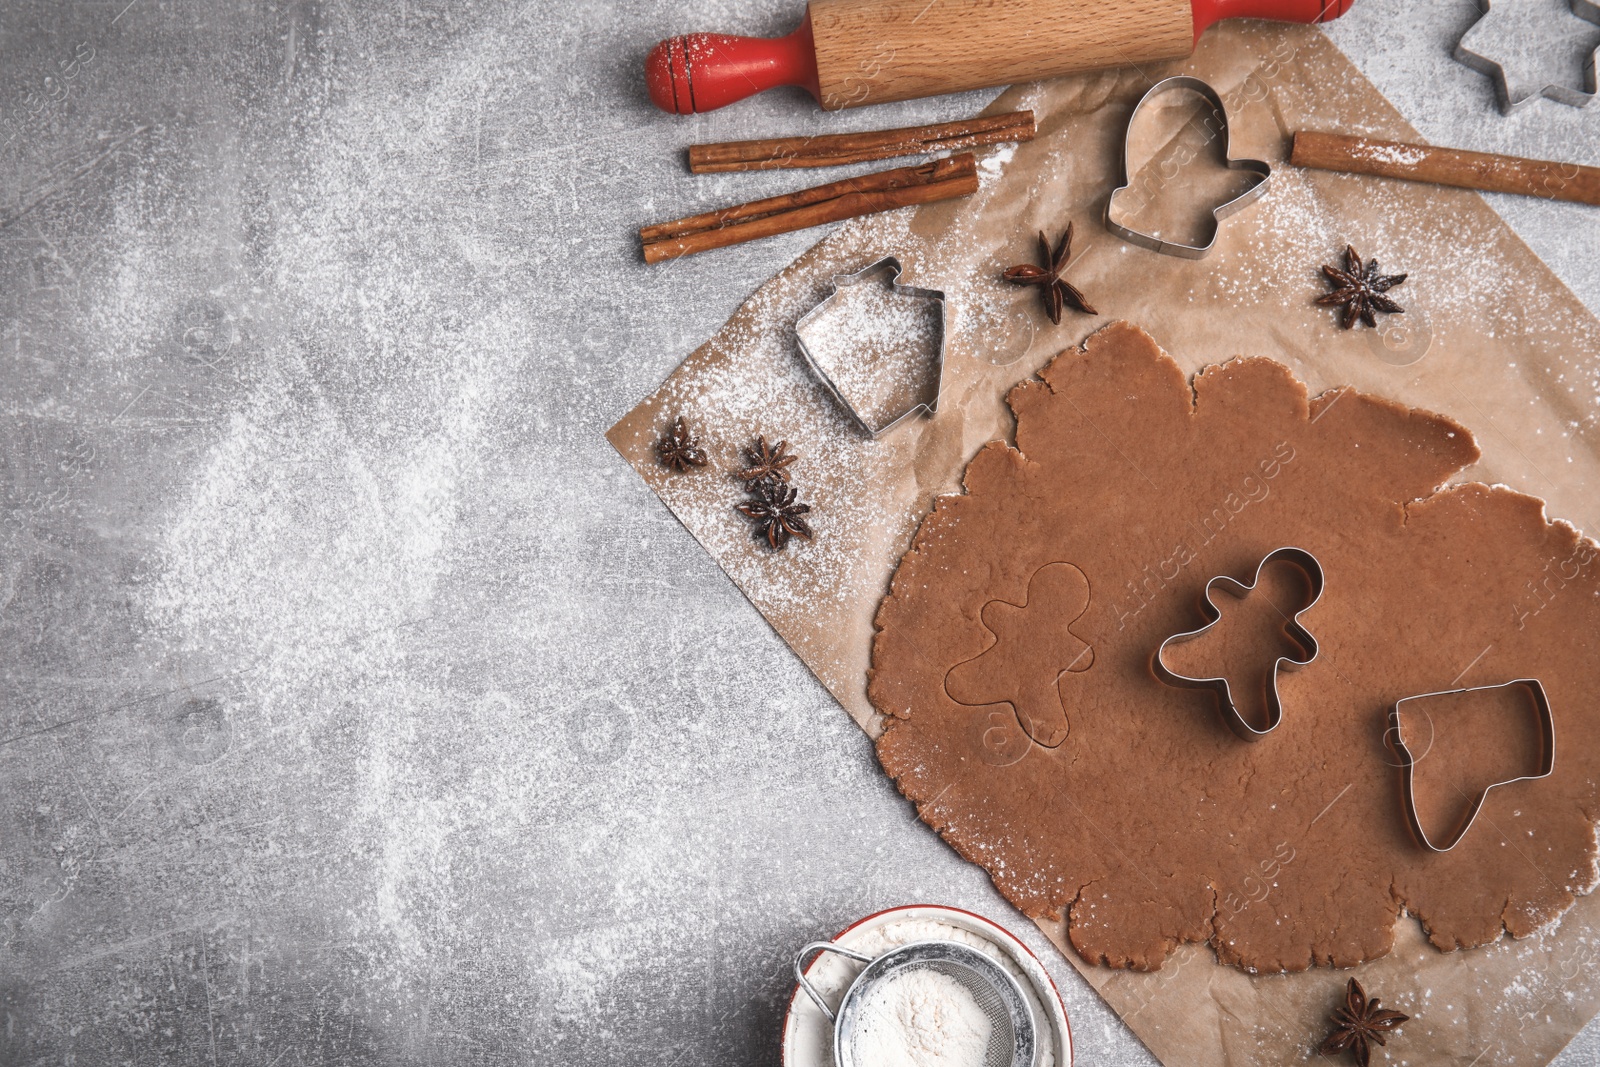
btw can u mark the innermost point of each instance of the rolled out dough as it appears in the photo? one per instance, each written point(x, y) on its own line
point(1148, 824)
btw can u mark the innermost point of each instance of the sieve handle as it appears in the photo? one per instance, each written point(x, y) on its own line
point(800, 974)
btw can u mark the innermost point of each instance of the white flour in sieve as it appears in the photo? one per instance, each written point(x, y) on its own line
point(922, 1018)
point(833, 974)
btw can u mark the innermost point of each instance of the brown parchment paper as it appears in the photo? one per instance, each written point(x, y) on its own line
point(1491, 338)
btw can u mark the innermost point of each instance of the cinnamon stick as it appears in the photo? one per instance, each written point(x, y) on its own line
point(1447, 166)
point(834, 149)
point(943, 179)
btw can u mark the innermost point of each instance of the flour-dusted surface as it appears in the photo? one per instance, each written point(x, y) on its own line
point(357, 705)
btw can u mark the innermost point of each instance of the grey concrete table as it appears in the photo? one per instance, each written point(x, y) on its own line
point(357, 703)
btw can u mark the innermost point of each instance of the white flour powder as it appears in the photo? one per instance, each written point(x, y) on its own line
point(922, 1018)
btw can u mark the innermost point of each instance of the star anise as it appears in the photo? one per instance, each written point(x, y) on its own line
point(1359, 289)
point(767, 464)
point(1359, 1024)
point(678, 448)
point(777, 515)
point(1057, 290)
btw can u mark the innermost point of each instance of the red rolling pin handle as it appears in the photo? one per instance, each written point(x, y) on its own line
point(704, 71)
point(1209, 12)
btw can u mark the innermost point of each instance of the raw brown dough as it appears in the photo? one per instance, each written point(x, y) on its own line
point(1035, 634)
point(1151, 824)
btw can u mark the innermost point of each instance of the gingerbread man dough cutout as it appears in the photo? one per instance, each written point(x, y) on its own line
point(1037, 631)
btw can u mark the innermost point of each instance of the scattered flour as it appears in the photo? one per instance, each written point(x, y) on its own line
point(1404, 155)
point(922, 1019)
point(993, 164)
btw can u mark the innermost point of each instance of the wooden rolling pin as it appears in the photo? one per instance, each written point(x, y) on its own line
point(1447, 166)
point(852, 52)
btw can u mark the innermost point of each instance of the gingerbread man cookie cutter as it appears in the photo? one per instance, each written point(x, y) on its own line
point(1511, 99)
point(1257, 167)
point(1408, 762)
point(1297, 633)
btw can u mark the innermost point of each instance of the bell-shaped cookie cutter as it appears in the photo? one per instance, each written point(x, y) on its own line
point(1298, 557)
point(1408, 762)
point(1257, 167)
point(892, 265)
point(1510, 100)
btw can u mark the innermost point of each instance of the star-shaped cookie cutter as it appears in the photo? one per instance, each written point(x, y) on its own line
point(892, 266)
point(1298, 557)
point(1249, 196)
point(1408, 762)
point(1509, 99)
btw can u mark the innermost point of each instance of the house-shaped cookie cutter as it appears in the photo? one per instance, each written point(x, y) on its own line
point(891, 266)
point(1510, 101)
point(1408, 762)
point(1257, 167)
point(1241, 727)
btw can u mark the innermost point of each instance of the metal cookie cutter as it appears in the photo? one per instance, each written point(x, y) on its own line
point(1249, 196)
point(1013, 1031)
point(1299, 557)
point(875, 424)
point(1511, 98)
point(1408, 762)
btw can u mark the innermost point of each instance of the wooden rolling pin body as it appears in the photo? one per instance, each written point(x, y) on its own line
point(875, 51)
point(852, 52)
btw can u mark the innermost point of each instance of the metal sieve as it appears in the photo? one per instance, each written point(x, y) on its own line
point(1013, 1038)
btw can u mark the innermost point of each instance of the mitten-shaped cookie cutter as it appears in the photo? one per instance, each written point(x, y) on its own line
point(1408, 762)
point(1257, 167)
point(1298, 557)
